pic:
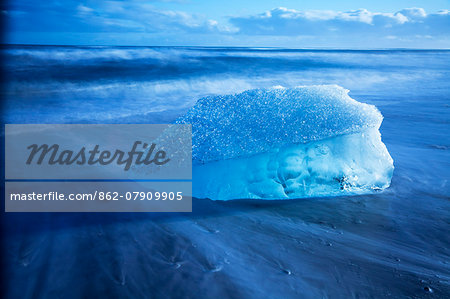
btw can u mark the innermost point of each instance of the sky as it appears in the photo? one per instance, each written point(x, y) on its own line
point(254, 23)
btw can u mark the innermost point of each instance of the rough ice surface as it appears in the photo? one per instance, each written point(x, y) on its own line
point(283, 143)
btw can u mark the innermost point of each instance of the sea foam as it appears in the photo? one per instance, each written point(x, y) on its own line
point(283, 143)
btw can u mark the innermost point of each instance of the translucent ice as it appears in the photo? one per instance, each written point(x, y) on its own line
point(287, 143)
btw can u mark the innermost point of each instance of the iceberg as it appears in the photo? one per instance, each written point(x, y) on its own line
point(282, 143)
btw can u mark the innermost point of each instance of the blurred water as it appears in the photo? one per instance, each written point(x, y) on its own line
point(392, 244)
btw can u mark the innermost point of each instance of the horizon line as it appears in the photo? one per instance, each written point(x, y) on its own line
point(209, 46)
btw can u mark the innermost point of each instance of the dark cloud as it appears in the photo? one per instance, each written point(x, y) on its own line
point(102, 16)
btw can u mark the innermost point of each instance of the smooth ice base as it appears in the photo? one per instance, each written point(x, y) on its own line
point(348, 164)
point(286, 143)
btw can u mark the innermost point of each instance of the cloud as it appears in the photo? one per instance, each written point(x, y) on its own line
point(145, 22)
point(105, 16)
point(138, 16)
point(290, 22)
